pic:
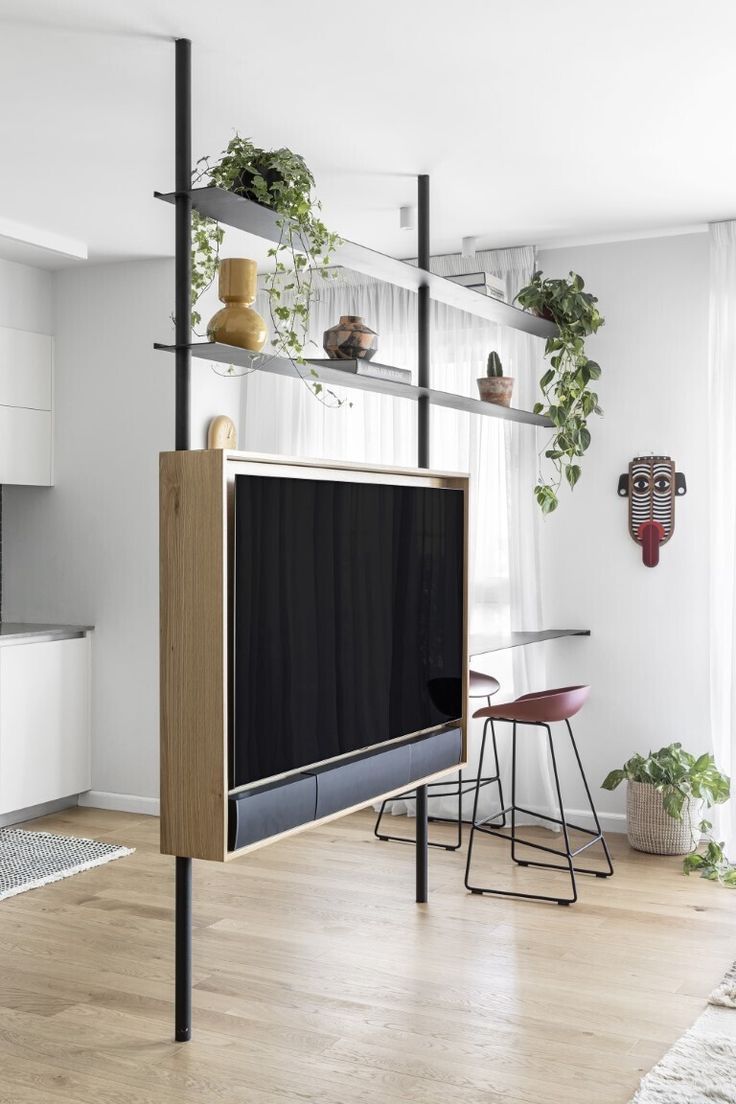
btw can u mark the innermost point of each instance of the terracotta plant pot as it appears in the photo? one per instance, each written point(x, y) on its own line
point(350, 339)
point(496, 389)
point(237, 323)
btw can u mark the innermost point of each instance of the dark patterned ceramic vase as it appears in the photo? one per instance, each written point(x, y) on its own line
point(350, 339)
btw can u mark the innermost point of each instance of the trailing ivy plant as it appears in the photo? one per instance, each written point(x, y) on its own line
point(711, 862)
point(569, 400)
point(207, 236)
point(281, 180)
point(678, 776)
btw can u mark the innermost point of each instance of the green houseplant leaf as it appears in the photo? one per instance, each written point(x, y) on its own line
point(569, 402)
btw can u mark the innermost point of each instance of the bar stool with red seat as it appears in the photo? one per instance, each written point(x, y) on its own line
point(479, 686)
point(541, 710)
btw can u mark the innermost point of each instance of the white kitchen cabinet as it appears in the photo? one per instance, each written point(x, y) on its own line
point(26, 408)
point(45, 749)
point(26, 361)
point(25, 446)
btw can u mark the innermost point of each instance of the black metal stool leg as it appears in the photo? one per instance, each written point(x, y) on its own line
point(410, 795)
point(475, 813)
point(573, 899)
point(513, 793)
point(459, 811)
point(377, 825)
point(596, 821)
point(499, 783)
point(568, 854)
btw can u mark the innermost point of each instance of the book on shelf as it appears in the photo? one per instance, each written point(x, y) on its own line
point(483, 282)
point(367, 368)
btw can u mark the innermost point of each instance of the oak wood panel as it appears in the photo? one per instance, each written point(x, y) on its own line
point(318, 979)
point(193, 654)
point(196, 547)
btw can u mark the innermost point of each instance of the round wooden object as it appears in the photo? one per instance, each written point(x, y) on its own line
point(221, 433)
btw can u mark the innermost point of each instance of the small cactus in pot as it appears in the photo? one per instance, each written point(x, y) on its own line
point(495, 387)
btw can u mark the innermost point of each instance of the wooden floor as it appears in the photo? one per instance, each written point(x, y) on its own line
point(318, 978)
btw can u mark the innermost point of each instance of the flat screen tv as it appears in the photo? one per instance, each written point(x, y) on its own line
point(348, 620)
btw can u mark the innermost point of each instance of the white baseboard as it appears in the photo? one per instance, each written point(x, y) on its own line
point(120, 803)
point(150, 806)
point(610, 822)
point(36, 811)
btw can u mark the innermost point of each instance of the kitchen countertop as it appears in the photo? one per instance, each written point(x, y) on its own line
point(15, 632)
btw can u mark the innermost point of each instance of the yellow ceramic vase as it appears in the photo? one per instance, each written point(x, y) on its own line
point(237, 323)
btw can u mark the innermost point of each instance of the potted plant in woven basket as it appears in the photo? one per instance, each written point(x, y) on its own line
point(667, 794)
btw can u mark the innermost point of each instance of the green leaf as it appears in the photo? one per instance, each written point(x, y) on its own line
point(693, 861)
point(613, 779)
point(573, 473)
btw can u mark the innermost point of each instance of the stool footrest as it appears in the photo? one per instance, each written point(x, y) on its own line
point(552, 820)
point(567, 853)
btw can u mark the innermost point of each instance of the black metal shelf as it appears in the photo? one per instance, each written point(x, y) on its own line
point(484, 645)
point(334, 377)
point(262, 222)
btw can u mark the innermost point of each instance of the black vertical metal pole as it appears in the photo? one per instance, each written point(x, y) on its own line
point(423, 321)
point(183, 244)
point(182, 312)
point(422, 845)
point(422, 827)
point(183, 997)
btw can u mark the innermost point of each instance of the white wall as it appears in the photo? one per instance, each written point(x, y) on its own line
point(86, 550)
point(647, 658)
point(26, 298)
point(26, 303)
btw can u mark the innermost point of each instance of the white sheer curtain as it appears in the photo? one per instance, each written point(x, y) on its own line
point(722, 543)
point(280, 415)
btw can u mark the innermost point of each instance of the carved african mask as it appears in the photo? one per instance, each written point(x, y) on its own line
point(651, 485)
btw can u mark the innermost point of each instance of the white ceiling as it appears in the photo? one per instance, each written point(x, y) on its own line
point(537, 121)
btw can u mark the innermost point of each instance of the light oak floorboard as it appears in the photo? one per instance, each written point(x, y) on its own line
point(318, 979)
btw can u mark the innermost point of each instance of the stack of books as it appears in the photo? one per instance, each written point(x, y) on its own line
point(367, 368)
point(483, 282)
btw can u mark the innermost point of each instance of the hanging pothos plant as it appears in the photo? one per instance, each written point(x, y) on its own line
point(569, 400)
point(280, 180)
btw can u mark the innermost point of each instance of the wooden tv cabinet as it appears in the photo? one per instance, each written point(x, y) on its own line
point(201, 817)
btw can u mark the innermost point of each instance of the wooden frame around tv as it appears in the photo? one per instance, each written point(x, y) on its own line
point(196, 514)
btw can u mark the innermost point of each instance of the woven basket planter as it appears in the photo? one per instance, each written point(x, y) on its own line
point(651, 828)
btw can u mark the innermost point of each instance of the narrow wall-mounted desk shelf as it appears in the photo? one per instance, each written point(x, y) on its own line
point(262, 222)
point(484, 645)
point(334, 377)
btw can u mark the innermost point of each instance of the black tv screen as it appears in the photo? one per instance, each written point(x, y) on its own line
point(348, 624)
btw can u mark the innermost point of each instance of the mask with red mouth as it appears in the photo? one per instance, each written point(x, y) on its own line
point(651, 485)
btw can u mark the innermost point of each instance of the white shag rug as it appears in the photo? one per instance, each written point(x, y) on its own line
point(32, 859)
point(701, 1066)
